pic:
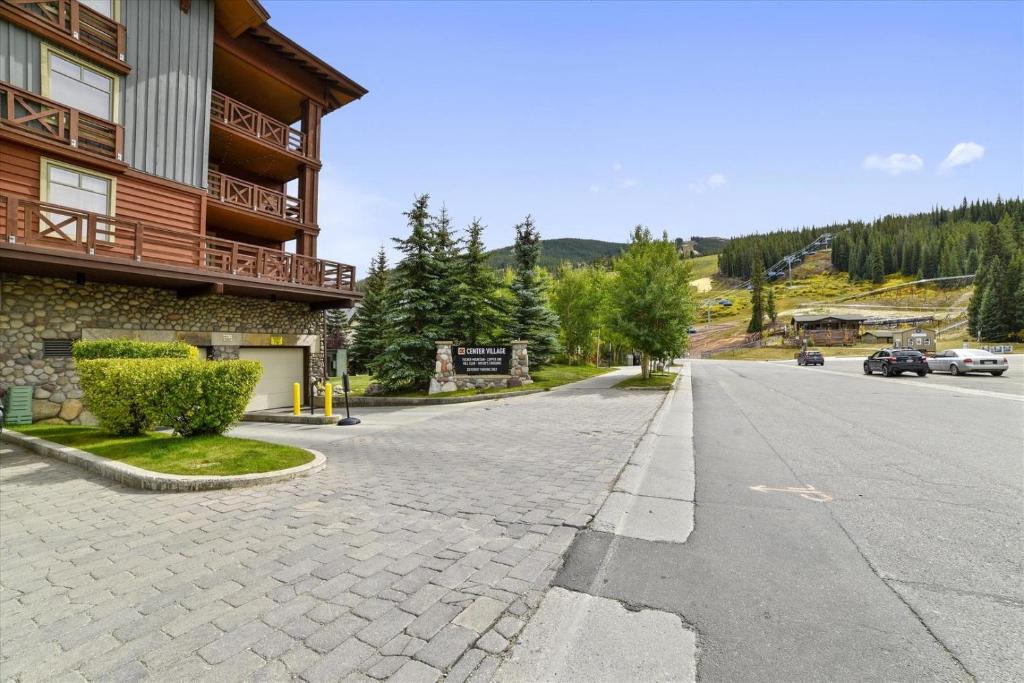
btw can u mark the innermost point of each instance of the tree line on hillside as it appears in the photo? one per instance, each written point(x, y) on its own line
point(996, 309)
point(934, 244)
point(444, 289)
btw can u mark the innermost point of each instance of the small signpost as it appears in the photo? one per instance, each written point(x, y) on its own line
point(348, 419)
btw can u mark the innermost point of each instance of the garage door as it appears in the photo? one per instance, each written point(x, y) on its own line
point(281, 369)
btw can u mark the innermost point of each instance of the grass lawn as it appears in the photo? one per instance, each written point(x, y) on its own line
point(546, 378)
point(657, 380)
point(780, 353)
point(356, 383)
point(703, 266)
point(160, 452)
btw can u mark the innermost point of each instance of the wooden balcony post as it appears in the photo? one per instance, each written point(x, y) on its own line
point(90, 233)
point(72, 127)
point(234, 257)
point(261, 261)
point(12, 217)
point(119, 142)
point(139, 236)
point(122, 40)
point(73, 7)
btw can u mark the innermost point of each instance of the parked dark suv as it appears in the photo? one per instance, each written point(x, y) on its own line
point(810, 358)
point(892, 362)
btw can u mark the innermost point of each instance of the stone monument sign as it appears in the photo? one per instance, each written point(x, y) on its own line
point(461, 366)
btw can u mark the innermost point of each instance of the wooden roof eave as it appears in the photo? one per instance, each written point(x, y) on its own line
point(238, 16)
point(339, 88)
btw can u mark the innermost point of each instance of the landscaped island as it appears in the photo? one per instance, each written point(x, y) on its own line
point(211, 455)
point(544, 379)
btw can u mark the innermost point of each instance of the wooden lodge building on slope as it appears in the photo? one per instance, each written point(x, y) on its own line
point(147, 148)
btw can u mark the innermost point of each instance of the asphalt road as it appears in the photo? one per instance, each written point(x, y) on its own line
point(898, 556)
point(1010, 383)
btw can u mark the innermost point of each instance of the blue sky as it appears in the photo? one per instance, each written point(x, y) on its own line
point(708, 119)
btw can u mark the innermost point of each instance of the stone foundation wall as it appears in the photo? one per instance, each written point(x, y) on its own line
point(36, 308)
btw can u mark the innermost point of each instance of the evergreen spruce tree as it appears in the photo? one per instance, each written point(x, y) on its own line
point(756, 295)
point(446, 266)
point(996, 309)
point(478, 311)
point(876, 265)
point(770, 305)
point(408, 360)
point(339, 330)
point(1018, 299)
point(373, 325)
point(531, 317)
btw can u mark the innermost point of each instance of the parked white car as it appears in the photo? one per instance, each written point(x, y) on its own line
point(961, 361)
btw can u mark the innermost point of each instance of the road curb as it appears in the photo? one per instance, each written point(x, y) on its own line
point(653, 497)
point(139, 478)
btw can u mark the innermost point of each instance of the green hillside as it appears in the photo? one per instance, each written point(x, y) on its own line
point(553, 252)
point(709, 245)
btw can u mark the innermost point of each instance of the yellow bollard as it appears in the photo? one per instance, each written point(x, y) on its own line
point(328, 400)
point(296, 398)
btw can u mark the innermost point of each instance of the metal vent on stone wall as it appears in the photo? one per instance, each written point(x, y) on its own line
point(57, 348)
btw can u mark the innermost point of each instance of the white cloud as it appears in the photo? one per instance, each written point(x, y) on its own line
point(628, 183)
point(962, 153)
point(617, 166)
point(894, 164)
point(595, 189)
point(714, 181)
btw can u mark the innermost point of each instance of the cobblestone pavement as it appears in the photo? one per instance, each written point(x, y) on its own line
point(418, 553)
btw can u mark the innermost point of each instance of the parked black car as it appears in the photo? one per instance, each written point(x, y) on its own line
point(810, 358)
point(892, 362)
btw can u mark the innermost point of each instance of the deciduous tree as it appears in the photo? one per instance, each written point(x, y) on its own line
point(650, 299)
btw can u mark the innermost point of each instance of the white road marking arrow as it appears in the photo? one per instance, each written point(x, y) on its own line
point(808, 492)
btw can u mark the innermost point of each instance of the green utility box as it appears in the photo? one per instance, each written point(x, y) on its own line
point(18, 405)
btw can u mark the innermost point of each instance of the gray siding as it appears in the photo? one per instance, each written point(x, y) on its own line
point(19, 57)
point(167, 95)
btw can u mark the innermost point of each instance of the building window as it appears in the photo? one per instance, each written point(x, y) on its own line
point(80, 85)
point(108, 8)
point(75, 188)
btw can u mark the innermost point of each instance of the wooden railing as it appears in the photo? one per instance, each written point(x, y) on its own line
point(50, 226)
point(101, 33)
point(824, 337)
point(242, 193)
point(247, 120)
point(24, 111)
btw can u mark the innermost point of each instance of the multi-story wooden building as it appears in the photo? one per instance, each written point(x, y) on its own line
point(158, 180)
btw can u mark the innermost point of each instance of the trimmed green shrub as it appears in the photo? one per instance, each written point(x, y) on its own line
point(130, 348)
point(133, 395)
point(208, 397)
point(124, 394)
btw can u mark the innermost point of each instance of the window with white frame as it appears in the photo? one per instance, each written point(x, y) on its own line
point(78, 85)
point(78, 189)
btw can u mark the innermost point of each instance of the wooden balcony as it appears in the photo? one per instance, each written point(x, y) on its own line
point(24, 112)
point(256, 125)
point(72, 25)
point(146, 253)
point(253, 209)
